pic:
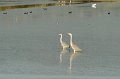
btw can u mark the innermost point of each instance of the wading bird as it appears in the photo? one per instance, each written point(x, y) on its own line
point(63, 44)
point(93, 5)
point(74, 47)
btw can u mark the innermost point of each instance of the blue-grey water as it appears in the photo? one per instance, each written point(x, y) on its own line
point(29, 43)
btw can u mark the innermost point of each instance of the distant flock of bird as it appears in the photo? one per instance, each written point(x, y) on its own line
point(71, 45)
point(93, 6)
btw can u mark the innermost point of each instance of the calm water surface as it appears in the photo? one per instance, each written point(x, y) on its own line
point(29, 43)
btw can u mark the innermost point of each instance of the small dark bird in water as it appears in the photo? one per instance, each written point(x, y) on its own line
point(4, 12)
point(70, 12)
point(108, 12)
point(26, 13)
point(44, 8)
point(30, 11)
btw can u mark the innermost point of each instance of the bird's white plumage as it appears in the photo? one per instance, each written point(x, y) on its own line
point(93, 5)
point(74, 46)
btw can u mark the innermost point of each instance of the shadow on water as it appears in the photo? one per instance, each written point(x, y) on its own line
point(57, 3)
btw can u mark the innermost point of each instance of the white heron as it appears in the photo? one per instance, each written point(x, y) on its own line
point(63, 44)
point(93, 5)
point(74, 46)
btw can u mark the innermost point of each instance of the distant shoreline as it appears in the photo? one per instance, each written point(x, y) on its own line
point(108, 0)
point(95, 0)
point(9, 7)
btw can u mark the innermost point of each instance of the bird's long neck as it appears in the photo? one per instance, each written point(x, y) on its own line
point(70, 39)
point(61, 38)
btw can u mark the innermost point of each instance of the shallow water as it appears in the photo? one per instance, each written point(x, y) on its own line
point(29, 43)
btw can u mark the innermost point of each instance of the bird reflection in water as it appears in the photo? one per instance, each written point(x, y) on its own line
point(62, 53)
point(73, 55)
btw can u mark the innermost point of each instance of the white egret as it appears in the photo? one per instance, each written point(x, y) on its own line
point(74, 47)
point(93, 5)
point(63, 44)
